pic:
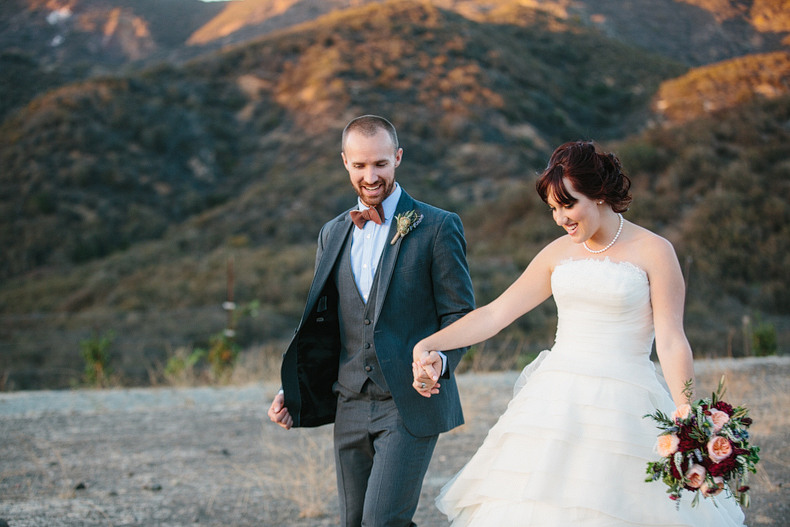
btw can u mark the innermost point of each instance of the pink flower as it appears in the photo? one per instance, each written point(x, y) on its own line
point(667, 445)
point(695, 476)
point(681, 412)
point(719, 449)
point(719, 419)
point(708, 490)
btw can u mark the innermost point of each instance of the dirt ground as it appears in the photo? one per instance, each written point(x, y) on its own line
point(209, 456)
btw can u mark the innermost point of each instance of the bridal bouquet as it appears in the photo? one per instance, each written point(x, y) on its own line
point(704, 448)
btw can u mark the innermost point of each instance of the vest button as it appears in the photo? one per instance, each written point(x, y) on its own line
point(367, 321)
point(367, 345)
point(368, 368)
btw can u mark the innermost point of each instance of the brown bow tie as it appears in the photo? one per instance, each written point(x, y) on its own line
point(376, 215)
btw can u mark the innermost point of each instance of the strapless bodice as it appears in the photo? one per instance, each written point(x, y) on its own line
point(602, 307)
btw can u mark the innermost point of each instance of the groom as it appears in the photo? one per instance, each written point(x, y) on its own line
point(378, 289)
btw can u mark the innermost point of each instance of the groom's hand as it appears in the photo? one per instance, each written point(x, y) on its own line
point(279, 413)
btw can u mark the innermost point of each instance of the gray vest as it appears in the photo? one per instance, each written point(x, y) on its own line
point(358, 361)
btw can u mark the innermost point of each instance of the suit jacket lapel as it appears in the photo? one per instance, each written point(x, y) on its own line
point(332, 247)
point(390, 256)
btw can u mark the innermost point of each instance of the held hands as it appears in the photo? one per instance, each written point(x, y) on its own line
point(278, 413)
point(426, 368)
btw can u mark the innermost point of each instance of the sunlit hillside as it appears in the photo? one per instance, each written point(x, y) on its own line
point(724, 85)
point(692, 31)
point(95, 167)
point(60, 41)
point(99, 33)
point(122, 197)
point(128, 194)
point(768, 16)
point(45, 43)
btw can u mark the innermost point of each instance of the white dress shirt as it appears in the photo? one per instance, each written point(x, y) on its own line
point(367, 246)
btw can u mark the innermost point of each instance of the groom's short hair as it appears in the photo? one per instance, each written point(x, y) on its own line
point(369, 125)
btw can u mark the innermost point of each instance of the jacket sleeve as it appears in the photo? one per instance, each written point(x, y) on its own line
point(452, 284)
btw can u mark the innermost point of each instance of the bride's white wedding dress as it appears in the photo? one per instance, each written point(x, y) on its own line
point(572, 447)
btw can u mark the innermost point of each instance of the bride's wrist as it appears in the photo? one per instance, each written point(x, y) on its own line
point(420, 351)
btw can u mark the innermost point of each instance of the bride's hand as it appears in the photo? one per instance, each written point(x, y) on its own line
point(423, 382)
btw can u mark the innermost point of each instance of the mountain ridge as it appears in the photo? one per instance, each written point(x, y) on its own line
point(123, 196)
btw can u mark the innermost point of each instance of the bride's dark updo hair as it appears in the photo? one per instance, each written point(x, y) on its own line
point(597, 175)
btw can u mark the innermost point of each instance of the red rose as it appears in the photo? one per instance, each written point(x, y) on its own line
point(724, 407)
point(723, 468)
point(687, 443)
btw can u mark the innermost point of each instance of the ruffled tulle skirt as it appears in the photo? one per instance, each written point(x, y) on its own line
point(572, 449)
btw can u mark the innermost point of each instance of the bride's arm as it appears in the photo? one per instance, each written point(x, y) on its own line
point(528, 291)
point(667, 294)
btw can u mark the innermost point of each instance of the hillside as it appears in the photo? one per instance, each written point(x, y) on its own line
point(122, 197)
point(59, 41)
point(97, 166)
point(126, 195)
point(724, 85)
point(764, 15)
point(99, 33)
point(695, 32)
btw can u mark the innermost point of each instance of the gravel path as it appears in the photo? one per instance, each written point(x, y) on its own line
point(209, 456)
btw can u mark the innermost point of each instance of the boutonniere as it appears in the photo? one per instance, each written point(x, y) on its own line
point(406, 223)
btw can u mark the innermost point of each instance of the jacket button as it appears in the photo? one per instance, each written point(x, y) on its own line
point(367, 345)
point(367, 321)
point(368, 368)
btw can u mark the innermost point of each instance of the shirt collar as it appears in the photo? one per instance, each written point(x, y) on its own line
point(389, 204)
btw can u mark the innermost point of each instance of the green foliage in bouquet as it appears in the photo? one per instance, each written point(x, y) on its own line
point(705, 448)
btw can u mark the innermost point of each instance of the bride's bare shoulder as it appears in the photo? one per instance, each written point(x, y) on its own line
point(650, 240)
point(652, 248)
point(560, 249)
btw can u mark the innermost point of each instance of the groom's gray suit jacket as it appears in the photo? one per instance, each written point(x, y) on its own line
point(423, 284)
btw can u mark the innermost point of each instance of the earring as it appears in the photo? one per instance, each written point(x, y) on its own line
point(600, 203)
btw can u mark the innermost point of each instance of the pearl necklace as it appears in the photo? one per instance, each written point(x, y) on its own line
point(619, 230)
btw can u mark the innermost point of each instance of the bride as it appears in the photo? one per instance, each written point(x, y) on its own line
point(572, 446)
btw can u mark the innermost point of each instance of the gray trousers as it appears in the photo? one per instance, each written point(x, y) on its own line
point(380, 465)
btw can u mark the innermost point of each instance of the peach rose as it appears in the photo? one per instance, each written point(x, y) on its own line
point(695, 476)
point(707, 490)
point(719, 449)
point(681, 412)
point(667, 445)
point(719, 419)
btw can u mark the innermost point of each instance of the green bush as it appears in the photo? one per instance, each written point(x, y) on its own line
point(764, 339)
point(96, 354)
point(182, 364)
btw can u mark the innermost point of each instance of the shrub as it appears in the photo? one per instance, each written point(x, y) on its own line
point(764, 339)
point(96, 354)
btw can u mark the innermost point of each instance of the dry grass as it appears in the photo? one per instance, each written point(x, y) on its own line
point(755, 389)
point(54, 474)
point(223, 466)
point(182, 368)
point(300, 470)
point(259, 363)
